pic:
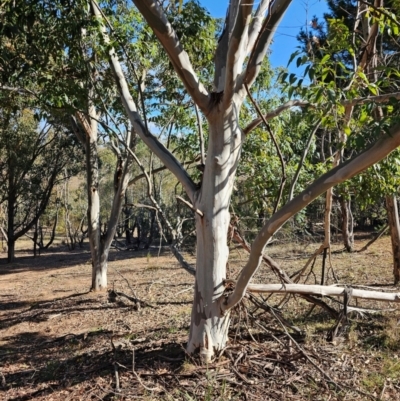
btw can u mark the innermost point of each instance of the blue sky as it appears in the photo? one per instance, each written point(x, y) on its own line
point(299, 14)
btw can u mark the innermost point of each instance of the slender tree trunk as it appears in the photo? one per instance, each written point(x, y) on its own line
point(347, 224)
point(10, 232)
point(11, 214)
point(394, 225)
point(99, 257)
point(35, 238)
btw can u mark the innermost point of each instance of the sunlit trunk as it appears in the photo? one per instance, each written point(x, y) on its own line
point(209, 326)
point(99, 257)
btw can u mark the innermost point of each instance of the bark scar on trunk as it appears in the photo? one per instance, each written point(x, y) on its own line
point(215, 99)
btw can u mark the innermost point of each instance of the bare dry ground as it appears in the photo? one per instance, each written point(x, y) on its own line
point(60, 342)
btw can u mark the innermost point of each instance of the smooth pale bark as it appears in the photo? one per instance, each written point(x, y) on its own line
point(99, 258)
point(209, 326)
point(323, 290)
point(263, 41)
point(394, 227)
point(100, 244)
point(345, 171)
point(257, 23)
point(236, 50)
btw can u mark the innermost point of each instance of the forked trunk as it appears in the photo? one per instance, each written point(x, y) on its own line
point(209, 326)
point(394, 226)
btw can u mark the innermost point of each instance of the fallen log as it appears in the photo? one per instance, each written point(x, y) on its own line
point(329, 290)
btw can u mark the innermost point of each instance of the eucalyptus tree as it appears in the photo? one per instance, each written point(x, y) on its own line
point(239, 53)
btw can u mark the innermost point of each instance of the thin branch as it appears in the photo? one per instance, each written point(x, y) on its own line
point(190, 206)
point(322, 290)
point(376, 237)
point(282, 275)
point(300, 103)
point(376, 99)
point(303, 158)
point(278, 149)
point(154, 171)
point(275, 113)
point(130, 107)
point(159, 211)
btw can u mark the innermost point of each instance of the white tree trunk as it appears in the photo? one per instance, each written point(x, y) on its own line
point(209, 326)
point(99, 257)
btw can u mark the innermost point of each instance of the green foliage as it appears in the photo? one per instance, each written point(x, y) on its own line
point(32, 157)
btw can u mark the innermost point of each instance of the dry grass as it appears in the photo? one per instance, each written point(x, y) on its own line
point(60, 342)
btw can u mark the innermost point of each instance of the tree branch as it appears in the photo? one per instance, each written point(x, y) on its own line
point(201, 135)
point(130, 107)
point(276, 11)
point(156, 170)
point(301, 103)
point(158, 22)
point(303, 158)
point(237, 49)
point(385, 145)
point(275, 113)
point(330, 290)
point(256, 24)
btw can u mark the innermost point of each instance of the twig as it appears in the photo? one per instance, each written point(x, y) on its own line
point(378, 235)
point(304, 353)
point(116, 374)
point(303, 157)
point(127, 282)
point(190, 206)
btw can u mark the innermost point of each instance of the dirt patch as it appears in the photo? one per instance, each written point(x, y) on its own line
point(60, 342)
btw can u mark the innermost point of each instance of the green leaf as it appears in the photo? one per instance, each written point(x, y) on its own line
point(325, 58)
point(292, 56)
point(373, 89)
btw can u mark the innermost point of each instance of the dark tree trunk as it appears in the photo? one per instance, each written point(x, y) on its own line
point(347, 224)
point(394, 226)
